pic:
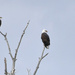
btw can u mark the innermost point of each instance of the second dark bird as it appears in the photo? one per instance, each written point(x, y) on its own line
point(0, 21)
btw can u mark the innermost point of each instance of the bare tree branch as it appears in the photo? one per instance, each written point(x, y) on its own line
point(21, 39)
point(5, 66)
point(7, 43)
point(14, 59)
point(42, 56)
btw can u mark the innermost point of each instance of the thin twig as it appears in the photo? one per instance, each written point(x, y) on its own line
point(40, 60)
point(21, 39)
point(5, 66)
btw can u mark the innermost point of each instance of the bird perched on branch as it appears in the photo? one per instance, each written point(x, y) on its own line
point(0, 21)
point(45, 38)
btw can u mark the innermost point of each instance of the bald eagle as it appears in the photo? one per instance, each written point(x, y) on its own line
point(45, 38)
point(0, 21)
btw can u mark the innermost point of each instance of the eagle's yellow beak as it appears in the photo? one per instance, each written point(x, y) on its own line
point(46, 31)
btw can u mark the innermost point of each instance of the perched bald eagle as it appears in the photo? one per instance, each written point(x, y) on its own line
point(0, 21)
point(45, 38)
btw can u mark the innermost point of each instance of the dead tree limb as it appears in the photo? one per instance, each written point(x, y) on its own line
point(40, 59)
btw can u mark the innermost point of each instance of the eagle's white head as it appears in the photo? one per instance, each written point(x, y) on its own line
point(44, 31)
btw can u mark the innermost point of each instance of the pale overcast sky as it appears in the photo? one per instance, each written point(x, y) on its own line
point(57, 16)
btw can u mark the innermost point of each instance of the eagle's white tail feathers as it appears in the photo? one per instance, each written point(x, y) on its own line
point(47, 47)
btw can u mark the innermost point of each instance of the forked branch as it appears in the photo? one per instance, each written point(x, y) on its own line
point(40, 59)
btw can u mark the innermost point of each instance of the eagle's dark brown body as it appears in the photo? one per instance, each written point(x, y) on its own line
point(45, 39)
